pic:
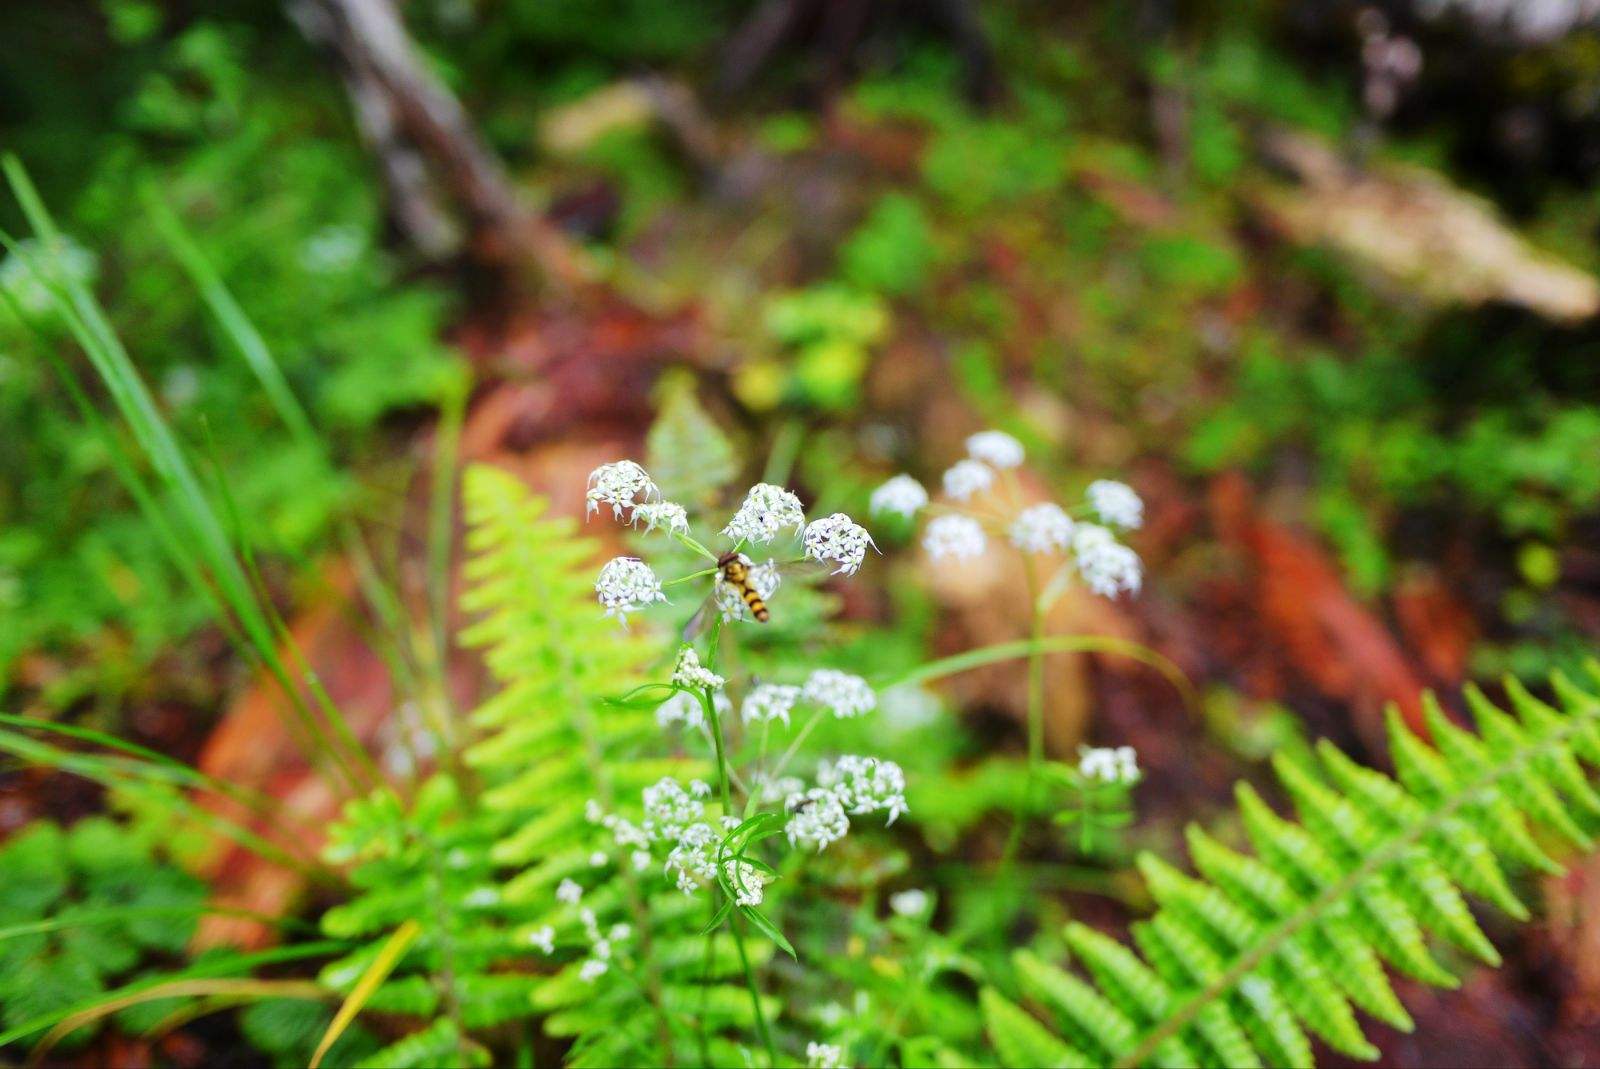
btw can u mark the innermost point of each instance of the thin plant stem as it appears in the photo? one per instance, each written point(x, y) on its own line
point(794, 747)
point(1035, 715)
point(734, 926)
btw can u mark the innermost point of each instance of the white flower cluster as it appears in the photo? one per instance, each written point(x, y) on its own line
point(824, 1056)
point(838, 539)
point(684, 708)
point(767, 509)
point(954, 536)
point(601, 945)
point(901, 494)
point(36, 266)
point(769, 701)
point(675, 817)
point(619, 485)
point(1115, 503)
point(912, 902)
point(1042, 528)
point(1106, 566)
point(670, 516)
point(690, 674)
point(850, 786)
point(967, 477)
point(626, 584)
point(1108, 765)
point(843, 694)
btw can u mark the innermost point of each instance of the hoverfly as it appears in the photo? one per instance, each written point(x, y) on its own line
point(741, 590)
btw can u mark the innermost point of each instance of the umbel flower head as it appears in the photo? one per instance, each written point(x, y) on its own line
point(967, 477)
point(1042, 528)
point(954, 536)
point(767, 509)
point(618, 485)
point(843, 694)
point(691, 675)
point(1106, 765)
point(627, 584)
point(1115, 503)
point(996, 449)
point(901, 494)
point(838, 539)
point(1105, 565)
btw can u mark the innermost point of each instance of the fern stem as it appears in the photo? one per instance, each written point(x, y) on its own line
point(1374, 862)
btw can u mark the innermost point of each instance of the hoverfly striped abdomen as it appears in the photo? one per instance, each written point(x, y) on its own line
point(736, 573)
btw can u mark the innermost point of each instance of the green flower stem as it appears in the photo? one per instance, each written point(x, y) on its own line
point(693, 544)
point(723, 778)
point(788, 754)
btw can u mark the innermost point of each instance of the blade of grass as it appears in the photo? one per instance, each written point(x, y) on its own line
point(115, 367)
point(246, 990)
point(114, 772)
point(235, 324)
point(261, 804)
point(374, 975)
point(1010, 651)
point(206, 970)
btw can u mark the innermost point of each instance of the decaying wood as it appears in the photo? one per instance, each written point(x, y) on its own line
point(1418, 231)
point(428, 149)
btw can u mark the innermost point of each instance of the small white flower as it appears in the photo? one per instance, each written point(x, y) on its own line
point(901, 494)
point(592, 970)
point(954, 536)
point(839, 540)
point(692, 862)
point(542, 938)
point(598, 859)
point(592, 812)
point(967, 477)
point(824, 1056)
point(1115, 503)
point(668, 809)
point(627, 584)
point(764, 580)
point(769, 701)
point(641, 860)
point(699, 788)
point(767, 509)
point(618, 485)
point(569, 892)
point(684, 708)
point(846, 694)
point(1108, 567)
point(749, 883)
point(619, 932)
point(865, 785)
point(910, 903)
point(995, 448)
point(816, 818)
point(690, 674)
point(776, 790)
point(1108, 765)
point(1042, 528)
point(667, 515)
point(481, 898)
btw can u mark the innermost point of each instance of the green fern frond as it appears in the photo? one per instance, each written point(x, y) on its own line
point(1246, 962)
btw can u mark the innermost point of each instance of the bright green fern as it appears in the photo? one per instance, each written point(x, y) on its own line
point(1246, 964)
